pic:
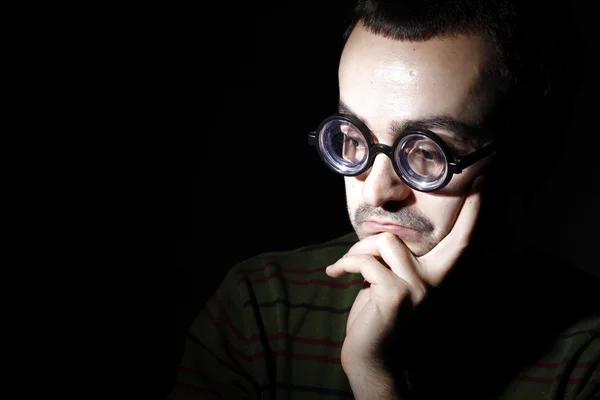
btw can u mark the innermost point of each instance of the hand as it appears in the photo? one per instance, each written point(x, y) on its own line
point(394, 277)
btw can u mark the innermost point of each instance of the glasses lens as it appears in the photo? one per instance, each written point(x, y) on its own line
point(343, 146)
point(422, 162)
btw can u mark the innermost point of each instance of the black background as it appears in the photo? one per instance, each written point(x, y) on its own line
point(247, 85)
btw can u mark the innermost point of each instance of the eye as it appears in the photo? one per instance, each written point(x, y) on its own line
point(426, 155)
point(425, 159)
point(354, 149)
point(350, 141)
point(352, 136)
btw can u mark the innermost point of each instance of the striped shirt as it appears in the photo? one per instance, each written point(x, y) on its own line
point(274, 329)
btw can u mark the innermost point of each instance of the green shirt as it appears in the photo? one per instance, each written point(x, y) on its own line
point(274, 329)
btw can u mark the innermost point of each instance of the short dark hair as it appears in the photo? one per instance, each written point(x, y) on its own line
point(534, 63)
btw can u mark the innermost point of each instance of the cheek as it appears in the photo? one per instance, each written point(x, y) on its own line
point(352, 191)
point(461, 183)
point(441, 211)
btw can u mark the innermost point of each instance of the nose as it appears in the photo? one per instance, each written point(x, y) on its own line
point(381, 184)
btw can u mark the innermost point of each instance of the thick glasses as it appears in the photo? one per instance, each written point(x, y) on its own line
point(420, 158)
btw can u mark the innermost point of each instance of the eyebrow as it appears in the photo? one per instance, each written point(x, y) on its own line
point(472, 134)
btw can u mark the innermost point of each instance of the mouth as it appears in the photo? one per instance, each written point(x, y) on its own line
point(402, 232)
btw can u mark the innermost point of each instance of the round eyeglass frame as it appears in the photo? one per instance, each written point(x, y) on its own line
point(454, 165)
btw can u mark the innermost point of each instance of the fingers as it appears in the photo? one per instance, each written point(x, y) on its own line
point(387, 290)
point(434, 265)
point(367, 265)
point(389, 251)
point(386, 263)
point(393, 253)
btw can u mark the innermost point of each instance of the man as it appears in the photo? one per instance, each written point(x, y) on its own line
point(448, 113)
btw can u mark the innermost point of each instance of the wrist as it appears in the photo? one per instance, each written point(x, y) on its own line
point(368, 382)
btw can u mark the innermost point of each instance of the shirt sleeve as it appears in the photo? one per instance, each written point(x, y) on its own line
point(220, 346)
point(583, 370)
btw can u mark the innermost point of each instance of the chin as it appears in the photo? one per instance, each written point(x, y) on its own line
point(417, 249)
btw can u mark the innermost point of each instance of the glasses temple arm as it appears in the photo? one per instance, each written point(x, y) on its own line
point(464, 161)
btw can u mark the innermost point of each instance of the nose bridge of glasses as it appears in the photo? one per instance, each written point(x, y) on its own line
point(382, 148)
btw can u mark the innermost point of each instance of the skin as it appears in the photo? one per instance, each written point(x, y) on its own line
point(383, 81)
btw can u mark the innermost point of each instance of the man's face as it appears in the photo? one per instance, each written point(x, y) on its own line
point(391, 85)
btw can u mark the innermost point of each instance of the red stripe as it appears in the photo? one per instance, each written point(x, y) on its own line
point(251, 271)
point(259, 355)
point(275, 336)
point(216, 325)
point(228, 320)
point(211, 318)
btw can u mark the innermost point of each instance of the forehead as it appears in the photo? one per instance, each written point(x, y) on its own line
point(382, 79)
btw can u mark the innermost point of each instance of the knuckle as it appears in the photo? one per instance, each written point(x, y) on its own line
point(365, 259)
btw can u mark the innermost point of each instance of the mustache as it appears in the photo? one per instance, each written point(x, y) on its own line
point(403, 216)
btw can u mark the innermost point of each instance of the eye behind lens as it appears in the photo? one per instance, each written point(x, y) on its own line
point(422, 162)
point(343, 147)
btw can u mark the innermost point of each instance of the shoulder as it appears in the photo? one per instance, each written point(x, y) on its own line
point(287, 316)
point(296, 274)
point(305, 257)
point(300, 266)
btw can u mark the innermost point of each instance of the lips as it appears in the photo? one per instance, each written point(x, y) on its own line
point(402, 232)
